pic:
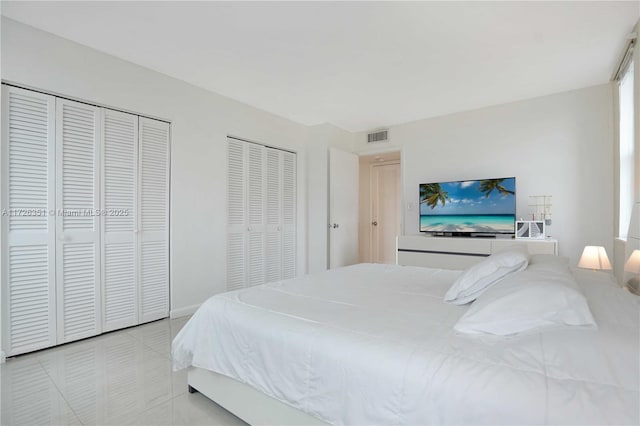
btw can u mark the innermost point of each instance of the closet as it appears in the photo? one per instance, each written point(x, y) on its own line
point(85, 220)
point(261, 214)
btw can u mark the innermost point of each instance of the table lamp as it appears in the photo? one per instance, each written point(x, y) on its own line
point(595, 258)
point(632, 265)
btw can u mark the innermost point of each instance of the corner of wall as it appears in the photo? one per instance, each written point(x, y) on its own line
point(619, 249)
point(183, 312)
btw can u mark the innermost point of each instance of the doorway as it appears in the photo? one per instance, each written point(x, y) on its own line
point(380, 217)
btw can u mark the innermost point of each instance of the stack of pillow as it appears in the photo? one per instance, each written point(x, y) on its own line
point(514, 293)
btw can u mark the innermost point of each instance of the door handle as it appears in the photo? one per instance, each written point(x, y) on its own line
point(374, 223)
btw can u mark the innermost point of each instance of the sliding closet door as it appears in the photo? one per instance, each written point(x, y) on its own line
point(154, 219)
point(77, 225)
point(119, 228)
point(28, 228)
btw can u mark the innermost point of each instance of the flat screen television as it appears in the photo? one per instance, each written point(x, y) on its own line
point(468, 207)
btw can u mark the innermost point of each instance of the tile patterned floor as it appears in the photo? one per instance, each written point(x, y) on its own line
point(120, 378)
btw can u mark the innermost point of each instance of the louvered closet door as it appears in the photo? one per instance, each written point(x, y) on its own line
point(28, 230)
point(154, 219)
point(236, 215)
point(289, 180)
point(119, 228)
point(77, 225)
point(255, 214)
point(273, 254)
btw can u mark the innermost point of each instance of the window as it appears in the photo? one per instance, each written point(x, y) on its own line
point(627, 153)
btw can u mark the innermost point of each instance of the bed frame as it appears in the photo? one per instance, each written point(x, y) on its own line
point(256, 408)
point(245, 402)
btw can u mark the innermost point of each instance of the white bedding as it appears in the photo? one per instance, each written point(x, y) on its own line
point(374, 344)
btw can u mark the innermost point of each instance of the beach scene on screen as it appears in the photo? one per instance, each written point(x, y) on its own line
point(486, 205)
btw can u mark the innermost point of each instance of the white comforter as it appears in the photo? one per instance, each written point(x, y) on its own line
point(374, 344)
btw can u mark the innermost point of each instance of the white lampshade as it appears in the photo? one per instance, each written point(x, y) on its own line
point(633, 236)
point(633, 263)
point(594, 257)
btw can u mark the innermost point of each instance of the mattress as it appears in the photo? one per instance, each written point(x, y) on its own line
point(374, 344)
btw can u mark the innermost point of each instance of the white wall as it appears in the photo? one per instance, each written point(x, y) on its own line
point(200, 121)
point(560, 145)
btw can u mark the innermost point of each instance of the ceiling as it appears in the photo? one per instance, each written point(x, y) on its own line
point(357, 65)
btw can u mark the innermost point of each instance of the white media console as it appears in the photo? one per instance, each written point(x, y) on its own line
point(460, 253)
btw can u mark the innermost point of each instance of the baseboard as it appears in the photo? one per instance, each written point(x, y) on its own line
point(183, 312)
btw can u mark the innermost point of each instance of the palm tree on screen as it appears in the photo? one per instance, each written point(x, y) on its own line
point(487, 186)
point(432, 193)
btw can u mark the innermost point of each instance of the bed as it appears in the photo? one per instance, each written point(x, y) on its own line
point(375, 344)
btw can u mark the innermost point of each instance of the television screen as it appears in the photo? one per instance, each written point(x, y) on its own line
point(486, 206)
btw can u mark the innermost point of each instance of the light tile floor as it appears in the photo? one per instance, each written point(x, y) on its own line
point(120, 378)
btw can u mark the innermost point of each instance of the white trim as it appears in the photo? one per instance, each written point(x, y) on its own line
point(11, 83)
point(625, 58)
point(378, 150)
point(266, 145)
point(3, 357)
point(183, 312)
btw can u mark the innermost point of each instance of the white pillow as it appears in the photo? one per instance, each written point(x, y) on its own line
point(537, 297)
point(482, 275)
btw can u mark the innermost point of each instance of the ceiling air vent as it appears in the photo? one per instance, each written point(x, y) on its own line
point(378, 136)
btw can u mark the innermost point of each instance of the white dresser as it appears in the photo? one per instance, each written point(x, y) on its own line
point(460, 253)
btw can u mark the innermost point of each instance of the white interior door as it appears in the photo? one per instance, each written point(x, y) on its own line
point(385, 211)
point(28, 229)
point(78, 144)
point(343, 208)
